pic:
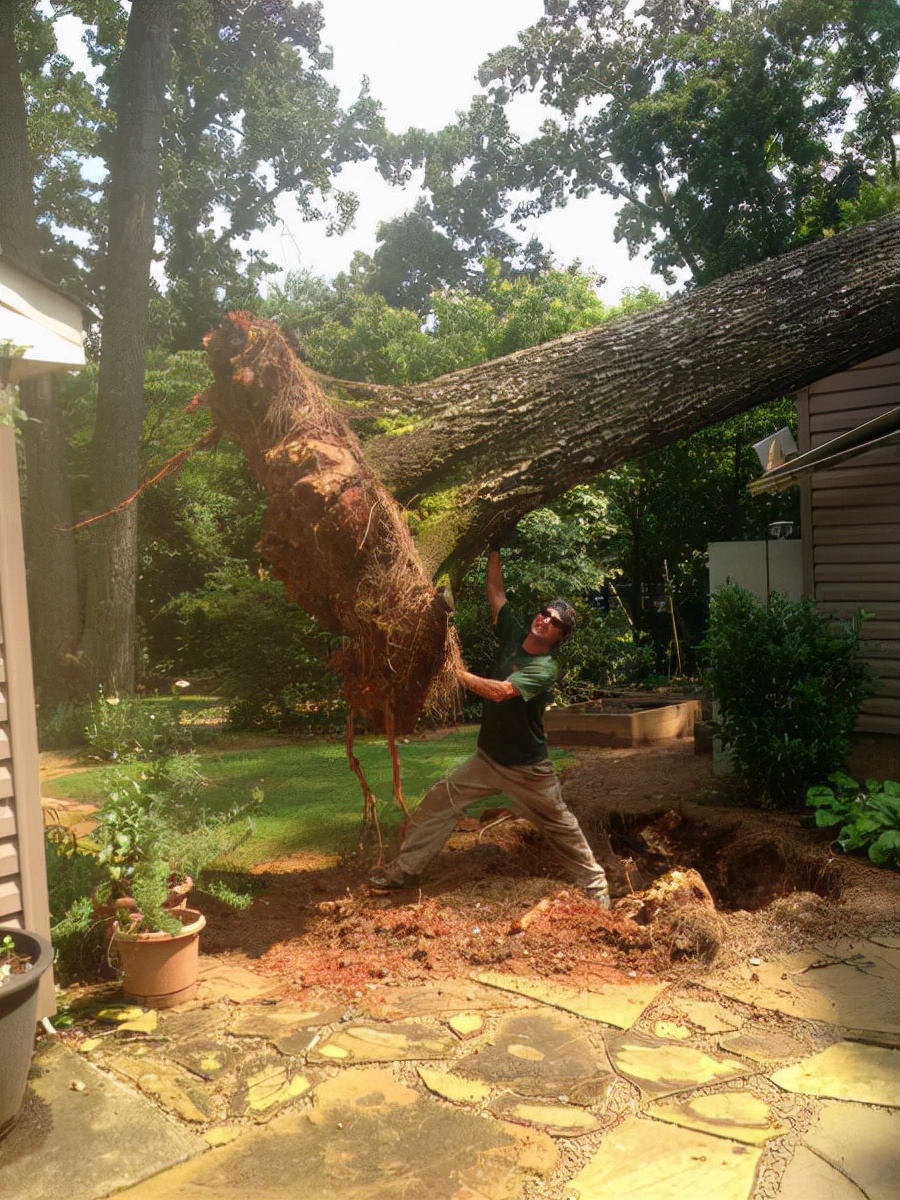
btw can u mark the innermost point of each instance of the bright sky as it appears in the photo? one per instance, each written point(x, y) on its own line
point(422, 60)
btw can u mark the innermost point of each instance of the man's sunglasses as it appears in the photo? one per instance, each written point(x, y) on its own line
point(554, 620)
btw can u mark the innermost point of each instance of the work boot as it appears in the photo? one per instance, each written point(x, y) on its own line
point(599, 894)
point(389, 879)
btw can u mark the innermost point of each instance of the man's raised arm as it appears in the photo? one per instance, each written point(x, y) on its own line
point(496, 593)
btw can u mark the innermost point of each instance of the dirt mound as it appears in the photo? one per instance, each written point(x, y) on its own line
point(315, 925)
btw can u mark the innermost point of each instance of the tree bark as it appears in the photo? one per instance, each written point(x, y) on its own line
point(498, 440)
point(53, 600)
point(18, 223)
point(53, 593)
point(108, 646)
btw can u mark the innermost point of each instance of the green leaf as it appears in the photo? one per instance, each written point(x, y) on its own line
point(886, 850)
point(826, 817)
point(817, 796)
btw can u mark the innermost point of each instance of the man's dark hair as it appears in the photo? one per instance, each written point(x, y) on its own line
point(567, 615)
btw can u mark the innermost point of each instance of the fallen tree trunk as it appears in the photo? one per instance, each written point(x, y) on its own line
point(491, 443)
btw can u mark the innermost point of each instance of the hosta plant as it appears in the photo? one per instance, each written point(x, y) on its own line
point(868, 815)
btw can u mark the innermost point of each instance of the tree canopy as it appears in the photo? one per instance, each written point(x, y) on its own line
point(729, 134)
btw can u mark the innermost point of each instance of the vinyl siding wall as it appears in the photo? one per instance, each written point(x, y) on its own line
point(852, 558)
point(23, 873)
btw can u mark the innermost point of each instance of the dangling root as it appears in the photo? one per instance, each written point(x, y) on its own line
point(175, 463)
point(370, 801)
point(395, 766)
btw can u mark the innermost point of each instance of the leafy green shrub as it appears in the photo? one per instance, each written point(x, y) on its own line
point(604, 654)
point(268, 654)
point(157, 828)
point(125, 728)
point(788, 686)
point(64, 727)
point(78, 939)
point(869, 816)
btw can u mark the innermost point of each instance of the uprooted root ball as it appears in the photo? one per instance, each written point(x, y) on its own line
point(333, 534)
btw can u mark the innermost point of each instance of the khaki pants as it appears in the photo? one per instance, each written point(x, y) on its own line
point(536, 796)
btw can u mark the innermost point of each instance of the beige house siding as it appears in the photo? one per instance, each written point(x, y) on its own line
point(23, 872)
point(852, 515)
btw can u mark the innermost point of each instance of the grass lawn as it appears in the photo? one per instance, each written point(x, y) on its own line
point(312, 800)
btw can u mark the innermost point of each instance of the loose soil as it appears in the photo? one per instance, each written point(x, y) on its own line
point(775, 883)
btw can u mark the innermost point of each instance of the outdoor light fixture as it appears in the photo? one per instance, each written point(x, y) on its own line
point(780, 531)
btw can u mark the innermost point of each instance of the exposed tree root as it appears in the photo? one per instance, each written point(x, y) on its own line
point(334, 536)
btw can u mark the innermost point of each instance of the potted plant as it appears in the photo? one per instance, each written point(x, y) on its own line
point(153, 838)
point(24, 957)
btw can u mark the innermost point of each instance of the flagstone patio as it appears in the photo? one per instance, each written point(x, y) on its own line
point(781, 1080)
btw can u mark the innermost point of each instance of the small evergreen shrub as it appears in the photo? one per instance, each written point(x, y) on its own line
point(788, 685)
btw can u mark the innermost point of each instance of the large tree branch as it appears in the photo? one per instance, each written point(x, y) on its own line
point(500, 439)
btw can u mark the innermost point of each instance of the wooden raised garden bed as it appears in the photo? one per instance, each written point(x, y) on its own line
point(622, 721)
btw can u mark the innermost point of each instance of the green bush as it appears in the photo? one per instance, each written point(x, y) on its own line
point(125, 729)
point(153, 829)
point(78, 938)
point(788, 685)
point(268, 654)
point(64, 727)
point(603, 654)
point(869, 816)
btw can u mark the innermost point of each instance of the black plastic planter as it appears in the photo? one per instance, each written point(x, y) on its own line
point(18, 1017)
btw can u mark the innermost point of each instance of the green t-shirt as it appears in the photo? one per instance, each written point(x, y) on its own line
point(512, 731)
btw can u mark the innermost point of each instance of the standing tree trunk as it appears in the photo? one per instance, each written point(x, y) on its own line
point(108, 647)
point(46, 508)
point(53, 593)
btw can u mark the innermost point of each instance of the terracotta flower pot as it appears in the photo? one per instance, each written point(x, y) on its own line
point(160, 969)
point(18, 1017)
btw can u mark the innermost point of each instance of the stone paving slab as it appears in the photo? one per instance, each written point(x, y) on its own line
point(169, 1084)
point(862, 1143)
point(740, 1116)
point(227, 981)
point(276, 1023)
point(671, 1031)
point(661, 1068)
point(763, 1045)
point(652, 1161)
point(291, 1028)
point(83, 1134)
point(407, 1042)
point(449, 996)
point(265, 1085)
point(559, 1120)
point(367, 1138)
point(454, 1088)
point(541, 1053)
point(466, 1025)
point(707, 1015)
point(854, 983)
point(207, 1058)
point(846, 1071)
point(619, 1005)
point(809, 1178)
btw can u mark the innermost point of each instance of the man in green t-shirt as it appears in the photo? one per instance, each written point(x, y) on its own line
point(512, 751)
